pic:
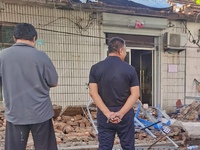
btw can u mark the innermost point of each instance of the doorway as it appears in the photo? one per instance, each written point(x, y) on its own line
point(142, 61)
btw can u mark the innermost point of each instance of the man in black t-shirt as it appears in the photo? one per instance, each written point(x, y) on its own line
point(114, 88)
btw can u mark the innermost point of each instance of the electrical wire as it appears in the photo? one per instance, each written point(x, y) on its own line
point(191, 37)
point(81, 28)
point(136, 43)
point(197, 17)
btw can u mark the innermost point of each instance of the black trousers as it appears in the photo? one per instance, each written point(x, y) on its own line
point(125, 131)
point(43, 136)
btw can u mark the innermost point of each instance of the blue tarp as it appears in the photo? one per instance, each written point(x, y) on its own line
point(153, 3)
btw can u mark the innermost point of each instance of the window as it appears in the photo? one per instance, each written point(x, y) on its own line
point(6, 40)
point(6, 34)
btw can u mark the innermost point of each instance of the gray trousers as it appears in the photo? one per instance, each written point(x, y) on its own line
point(43, 136)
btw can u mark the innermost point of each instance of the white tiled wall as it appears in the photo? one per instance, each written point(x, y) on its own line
point(72, 47)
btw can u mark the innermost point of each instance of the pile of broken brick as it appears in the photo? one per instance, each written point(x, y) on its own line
point(73, 126)
point(189, 112)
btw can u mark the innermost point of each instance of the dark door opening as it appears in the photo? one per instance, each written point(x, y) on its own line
point(142, 61)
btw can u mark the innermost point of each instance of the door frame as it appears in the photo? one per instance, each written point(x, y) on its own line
point(128, 49)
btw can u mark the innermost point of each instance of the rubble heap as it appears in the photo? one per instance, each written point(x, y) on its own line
point(73, 125)
point(189, 112)
point(73, 128)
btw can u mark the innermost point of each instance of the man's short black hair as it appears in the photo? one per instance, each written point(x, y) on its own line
point(115, 44)
point(25, 31)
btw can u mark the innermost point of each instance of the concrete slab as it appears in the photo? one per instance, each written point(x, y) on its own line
point(193, 128)
point(72, 110)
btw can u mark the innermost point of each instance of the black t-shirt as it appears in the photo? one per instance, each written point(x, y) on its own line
point(114, 79)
